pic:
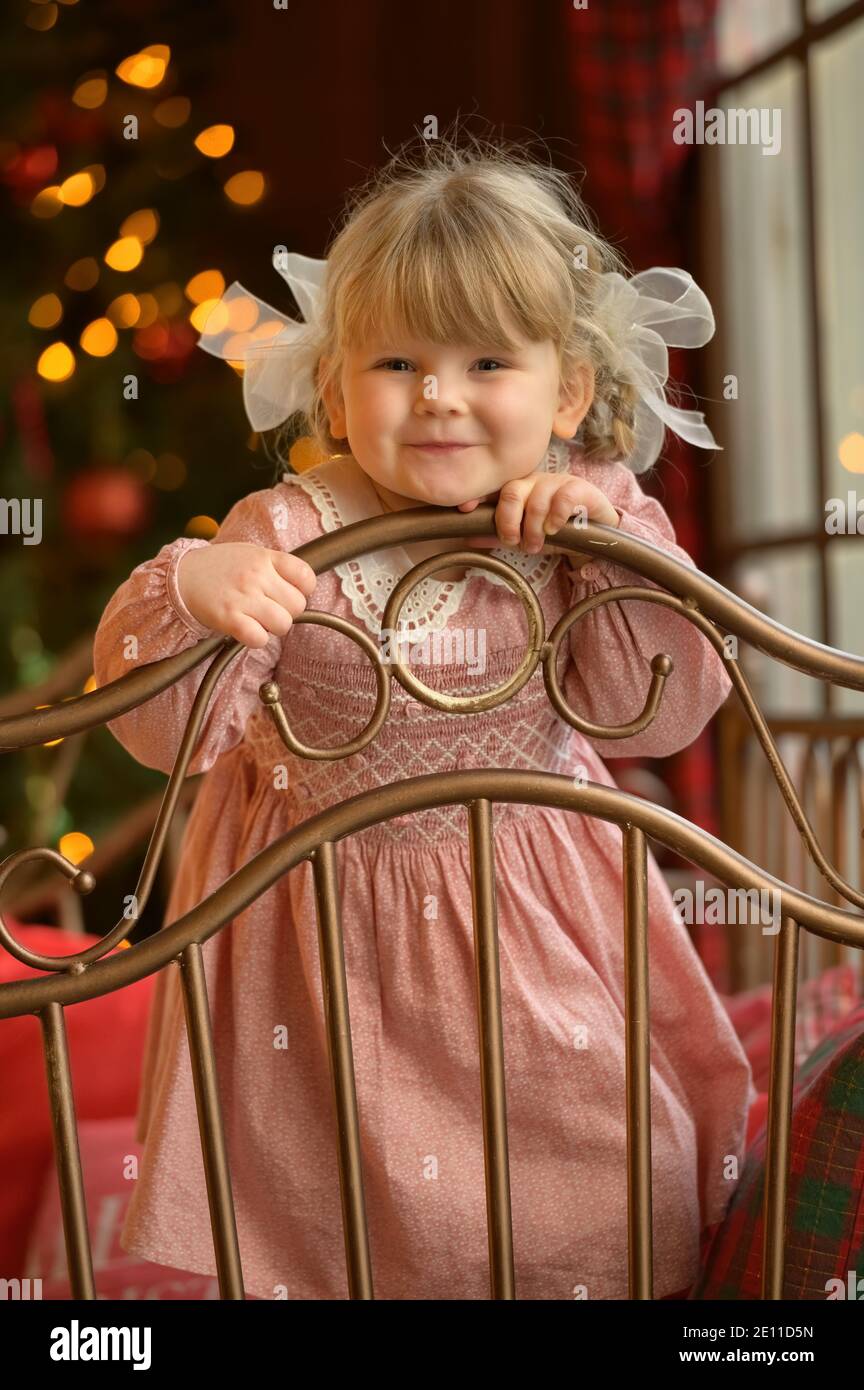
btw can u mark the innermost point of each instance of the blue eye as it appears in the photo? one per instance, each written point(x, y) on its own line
point(391, 360)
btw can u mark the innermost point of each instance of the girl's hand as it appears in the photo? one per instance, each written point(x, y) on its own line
point(244, 590)
point(546, 501)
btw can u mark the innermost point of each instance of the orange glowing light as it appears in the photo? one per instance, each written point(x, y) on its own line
point(99, 338)
point(124, 254)
point(245, 188)
point(215, 141)
point(56, 363)
point(45, 312)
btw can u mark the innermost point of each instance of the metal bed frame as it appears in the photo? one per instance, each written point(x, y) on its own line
point(720, 615)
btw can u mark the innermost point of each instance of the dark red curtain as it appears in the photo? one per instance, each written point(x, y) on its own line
point(322, 93)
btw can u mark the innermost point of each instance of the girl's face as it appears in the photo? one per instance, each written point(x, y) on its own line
point(399, 395)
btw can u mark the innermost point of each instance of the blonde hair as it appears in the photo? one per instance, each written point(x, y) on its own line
point(445, 241)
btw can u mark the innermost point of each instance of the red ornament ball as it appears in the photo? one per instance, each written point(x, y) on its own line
point(105, 502)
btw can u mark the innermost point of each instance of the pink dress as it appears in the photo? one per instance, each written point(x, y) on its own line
point(407, 922)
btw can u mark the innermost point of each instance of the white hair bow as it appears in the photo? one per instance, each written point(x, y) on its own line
point(277, 352)
point(640, 317)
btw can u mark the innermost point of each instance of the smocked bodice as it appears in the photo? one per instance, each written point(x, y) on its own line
point(327, 704)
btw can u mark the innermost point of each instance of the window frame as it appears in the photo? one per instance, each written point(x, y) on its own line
point(727, 549)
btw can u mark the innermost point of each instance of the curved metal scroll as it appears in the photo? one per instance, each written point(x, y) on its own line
point(695, 596)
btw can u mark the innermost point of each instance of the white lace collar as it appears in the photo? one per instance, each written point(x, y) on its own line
point(343, 494)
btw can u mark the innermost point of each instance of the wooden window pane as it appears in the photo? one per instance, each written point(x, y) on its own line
point(747, 31)
point(784, 585)
point(846, 592)
point(770, 457)
point(837, 66)
point(822, 9)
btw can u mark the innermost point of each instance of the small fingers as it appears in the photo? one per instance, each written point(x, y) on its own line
point(536, 512)
point(511, 505)
point(546, 512)
point(544, 497)
point(566, 502)
point(265, 618)
point(295, 570)
point(277, 616)
point(247, 630)
point(285, 593)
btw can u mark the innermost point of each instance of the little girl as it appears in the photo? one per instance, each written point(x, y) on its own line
point(472, 339)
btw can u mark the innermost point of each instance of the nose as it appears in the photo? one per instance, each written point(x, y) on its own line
point(441, 393)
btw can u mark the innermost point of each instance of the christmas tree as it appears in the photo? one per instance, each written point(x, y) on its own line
point(124, 199)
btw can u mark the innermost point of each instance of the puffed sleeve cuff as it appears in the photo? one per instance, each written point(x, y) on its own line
point(596, 566)
point(183, 547)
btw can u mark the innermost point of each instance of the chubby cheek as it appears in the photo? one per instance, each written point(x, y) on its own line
point(522, 448)
point(517, 415)
point(376, 408)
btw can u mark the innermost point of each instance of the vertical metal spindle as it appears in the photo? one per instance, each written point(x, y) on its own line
point(67, 1155)
point(499, 1224)
point(210, 1123)
point(638, 1066)
point(340, 1053)
point(780, 1085)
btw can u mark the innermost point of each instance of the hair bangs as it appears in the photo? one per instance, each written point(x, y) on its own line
point(461, 285)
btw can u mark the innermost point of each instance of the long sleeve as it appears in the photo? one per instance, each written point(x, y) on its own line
point(608, 673)
point(146, 620)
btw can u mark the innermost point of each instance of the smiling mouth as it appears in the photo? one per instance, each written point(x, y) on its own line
point(440, 448)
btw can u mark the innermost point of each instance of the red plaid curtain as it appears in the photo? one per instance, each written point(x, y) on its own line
point(629, 66)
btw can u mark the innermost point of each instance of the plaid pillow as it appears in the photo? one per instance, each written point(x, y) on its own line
point(823, 1002)
point(825, 1200)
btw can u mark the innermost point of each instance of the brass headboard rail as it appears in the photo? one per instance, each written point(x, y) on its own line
point(430, 523)
point(693, 595)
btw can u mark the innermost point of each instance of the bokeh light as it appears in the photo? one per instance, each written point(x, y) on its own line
point(143, 224)
point(215, 141)
point(45, 312)
point(76, 846)
point(91, 92)
point(207, 284)
point(245, 188)
point(124, 254)
point(77, 190)
point(850, 451)
point(56, 363)
point(124, 311)
point(173, 112)
point(99, 338)
point(146, 68)
point(83, 274)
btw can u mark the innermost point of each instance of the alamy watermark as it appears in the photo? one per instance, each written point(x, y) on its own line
point(77, 1343)
point(845, 517)
point(734, 125)
point(719, 906)
point(19, 1290)
point(17, 518)
point(464, 646)
point(853, 1288)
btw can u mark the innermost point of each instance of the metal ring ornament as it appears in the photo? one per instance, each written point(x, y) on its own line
point(469, 704)
point(271, 697)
